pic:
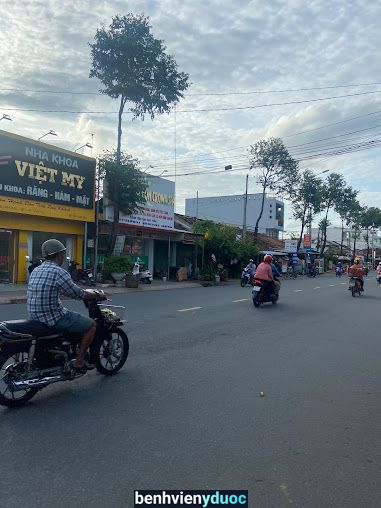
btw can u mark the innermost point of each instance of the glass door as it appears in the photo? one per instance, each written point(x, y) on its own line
point(6, 256)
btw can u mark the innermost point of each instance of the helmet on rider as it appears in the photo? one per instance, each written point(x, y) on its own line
point(268, 258)
point(379, 263)
point(252, 261)
point(52, 247)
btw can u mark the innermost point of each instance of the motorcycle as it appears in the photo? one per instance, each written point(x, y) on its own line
point(379, 278)
point(245, 277)
point(142, 274)
point(84, 276)
point(339, 271)
point(355, 286)
point(260, 294)
point(33, 265)
point(33, 355)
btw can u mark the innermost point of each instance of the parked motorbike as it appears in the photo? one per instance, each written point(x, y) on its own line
point(33, 265)
point(355, 286)
point(260, 294)
point(34, 355)
point(245, 277)
point(142, 274)
point(81, 275)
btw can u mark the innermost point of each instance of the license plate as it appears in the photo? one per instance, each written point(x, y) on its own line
point(352, 284)
point(256, 288)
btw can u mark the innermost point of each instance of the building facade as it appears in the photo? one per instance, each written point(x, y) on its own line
point(230, 210)
point(45, 192)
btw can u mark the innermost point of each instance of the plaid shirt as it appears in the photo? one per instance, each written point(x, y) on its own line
point(45, 283)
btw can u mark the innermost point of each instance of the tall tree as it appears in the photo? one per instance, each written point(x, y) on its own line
point(134, 67)
point(332, 192)
point(344, 205)
point(370, 218)
point(306, 199)
point(125, 187)
point(277, 170)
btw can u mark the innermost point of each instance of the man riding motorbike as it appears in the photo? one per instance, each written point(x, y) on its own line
point(265, 274)
point(46, 282)
point(356, 270)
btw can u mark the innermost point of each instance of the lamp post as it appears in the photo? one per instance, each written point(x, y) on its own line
point(87, 145)
point(50, 133)
point(6, 117)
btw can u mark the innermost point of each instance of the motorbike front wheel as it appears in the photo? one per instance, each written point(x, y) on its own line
point(12, 368)
point(111, 352)
point(243, 283)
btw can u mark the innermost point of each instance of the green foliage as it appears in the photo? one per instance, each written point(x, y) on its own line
point(134, 66)
point(126, 184)
point(224, 242)
point(116, 264)
point(207, 273)
point(277, 170)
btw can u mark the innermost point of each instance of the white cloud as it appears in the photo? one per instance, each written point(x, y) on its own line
point(226, 45)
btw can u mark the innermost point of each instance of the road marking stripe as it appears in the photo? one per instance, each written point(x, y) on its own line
point(298, 290)
point(187, 310)
point(241, 300)
point(343, 283)
point(317, 287)
point(332, 285)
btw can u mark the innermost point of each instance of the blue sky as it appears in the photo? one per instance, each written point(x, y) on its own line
point(225, 46)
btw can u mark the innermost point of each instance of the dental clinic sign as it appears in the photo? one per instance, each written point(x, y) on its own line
point(159, 210)
point(41, 179)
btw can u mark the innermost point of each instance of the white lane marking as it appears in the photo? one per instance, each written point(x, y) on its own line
point(241, 300)
point(317, 287)
point(298, 290)
point(343, 283)
point(332, 285)
point(187, 310)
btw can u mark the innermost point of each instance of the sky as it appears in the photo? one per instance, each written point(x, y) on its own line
point(307, 72)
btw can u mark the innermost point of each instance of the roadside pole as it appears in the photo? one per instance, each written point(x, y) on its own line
point(245, 209)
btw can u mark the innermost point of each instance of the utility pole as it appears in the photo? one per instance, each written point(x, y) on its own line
point(196, 249)
point(245, 210)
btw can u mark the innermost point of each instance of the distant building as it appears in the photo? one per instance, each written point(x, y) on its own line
point(230, 210)
point(334, 235)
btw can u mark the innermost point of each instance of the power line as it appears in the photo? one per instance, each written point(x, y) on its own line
point(206, 94)
point(202, 110)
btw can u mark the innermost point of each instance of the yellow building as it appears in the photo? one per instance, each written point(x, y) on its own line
point(45, 192)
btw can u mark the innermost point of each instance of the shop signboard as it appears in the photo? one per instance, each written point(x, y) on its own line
point(291, 246)
point(41, 179)
point(159, 210)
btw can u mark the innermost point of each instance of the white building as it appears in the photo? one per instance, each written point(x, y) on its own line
point(230, 210)
point(334, 235)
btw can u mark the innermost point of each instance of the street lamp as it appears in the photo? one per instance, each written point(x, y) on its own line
point(88, 145)
point(6, 117)
point(51, 133)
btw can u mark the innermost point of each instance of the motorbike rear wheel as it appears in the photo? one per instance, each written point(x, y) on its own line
point(111, 352)
point(243, 283)
point(12, 366)
point(257, 300)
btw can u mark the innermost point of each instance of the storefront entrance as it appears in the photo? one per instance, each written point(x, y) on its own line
point(7, 256)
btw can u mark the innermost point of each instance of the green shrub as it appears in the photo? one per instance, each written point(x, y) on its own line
point(116, 264)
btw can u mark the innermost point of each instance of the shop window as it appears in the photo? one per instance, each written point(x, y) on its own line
point(6, 261)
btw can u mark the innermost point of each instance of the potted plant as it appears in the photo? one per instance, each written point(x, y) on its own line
point(118, 267)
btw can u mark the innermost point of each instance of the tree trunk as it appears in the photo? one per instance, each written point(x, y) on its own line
point(325, 232)
point(302, 230)
point(342, 237)
point(354, 243)
point(261, 212)
point(115, 188)
point(367, 245)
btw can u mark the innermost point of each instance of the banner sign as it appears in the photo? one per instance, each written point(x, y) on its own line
point(41, 179)
point(159, 210)
point(291, 246)
point(307, 240)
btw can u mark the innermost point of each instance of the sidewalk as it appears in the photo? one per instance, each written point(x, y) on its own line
point(16, 293)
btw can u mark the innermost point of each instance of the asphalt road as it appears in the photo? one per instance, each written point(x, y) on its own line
point(186, 411)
